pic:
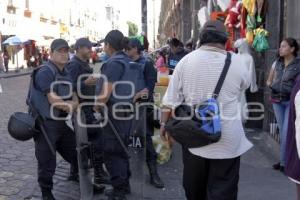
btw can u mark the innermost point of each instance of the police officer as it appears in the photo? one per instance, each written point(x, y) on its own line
point(78, 66)
point(134, 51)
point(53, 101)
point(115, 158)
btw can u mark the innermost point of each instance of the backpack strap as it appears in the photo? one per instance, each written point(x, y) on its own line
point(32, 80)
point(222, 76)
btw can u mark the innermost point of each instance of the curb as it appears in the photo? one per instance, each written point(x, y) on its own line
point(15, 75)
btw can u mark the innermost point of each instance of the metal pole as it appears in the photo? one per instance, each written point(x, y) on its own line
point(144, 16)
point(154, 25)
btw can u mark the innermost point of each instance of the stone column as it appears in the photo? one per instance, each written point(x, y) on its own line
point(274, 24)
point(293, 15)
point(186, 20)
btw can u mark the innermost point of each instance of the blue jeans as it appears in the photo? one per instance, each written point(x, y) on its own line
point(281, 111)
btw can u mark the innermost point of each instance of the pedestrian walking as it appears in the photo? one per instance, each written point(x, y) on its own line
point(160, 59)
point(116, 69)
point(176, 53)
point(1, 62)
point(134, 51)
point(210, 172)
point(77, 67)
point(53, 103)
point(287, 68)
point(6, 60)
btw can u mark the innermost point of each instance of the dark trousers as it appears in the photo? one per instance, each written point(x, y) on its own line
point(210, 179)
point(115, 158)
point(96, 139)
point(151, 155)
point(6, 65)
point(117, 165)
point(94, 136)
point(63, 141)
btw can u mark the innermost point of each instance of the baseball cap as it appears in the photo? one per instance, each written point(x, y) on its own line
point(134, 42)
point(59, 44)
point(83, 42)
point(215, 26)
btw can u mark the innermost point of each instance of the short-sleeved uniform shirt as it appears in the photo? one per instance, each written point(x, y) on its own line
point(45, 77)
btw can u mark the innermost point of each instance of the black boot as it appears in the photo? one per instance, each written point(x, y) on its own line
point(100, 175)
point(73, 174)
point(109, 192)
point(116, 196)
point(155, 180)
point(47, 194)
point(98, 188)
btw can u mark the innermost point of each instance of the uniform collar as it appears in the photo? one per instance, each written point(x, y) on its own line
point(75, 57)
point(57, 68)
point(210, 48)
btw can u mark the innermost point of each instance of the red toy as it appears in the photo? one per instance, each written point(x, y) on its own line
point(232, 22)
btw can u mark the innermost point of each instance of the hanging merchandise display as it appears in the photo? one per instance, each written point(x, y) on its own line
point(260, 43)
point(250, 6)
point(234, 16)
point(243, 19)
point(251, 25)
point(232, 22)
point(244, 15)
point(261, 12)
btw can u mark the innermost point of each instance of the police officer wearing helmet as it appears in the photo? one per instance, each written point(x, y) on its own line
point(54, 101)
point(77, 67)
point(115, 158)
point(134, 51)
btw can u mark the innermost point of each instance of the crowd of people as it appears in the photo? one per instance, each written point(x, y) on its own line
point(211, 171)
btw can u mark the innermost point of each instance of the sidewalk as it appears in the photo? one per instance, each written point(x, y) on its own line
point(257, 180)
point(12, 74)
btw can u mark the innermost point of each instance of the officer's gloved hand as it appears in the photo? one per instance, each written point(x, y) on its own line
point(141, 95)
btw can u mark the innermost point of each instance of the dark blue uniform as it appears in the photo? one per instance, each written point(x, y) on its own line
point(77, 67)
point(115, 157)
point(60, 135)
point(150, 76)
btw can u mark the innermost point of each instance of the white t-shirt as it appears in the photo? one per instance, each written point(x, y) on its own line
point(194, 79)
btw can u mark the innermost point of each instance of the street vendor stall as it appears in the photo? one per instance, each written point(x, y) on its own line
point(242, 18)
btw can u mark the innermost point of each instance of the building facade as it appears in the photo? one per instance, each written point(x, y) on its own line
point(42, 21)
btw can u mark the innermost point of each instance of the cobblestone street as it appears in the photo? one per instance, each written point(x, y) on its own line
point(17, 161)
point(18, 165)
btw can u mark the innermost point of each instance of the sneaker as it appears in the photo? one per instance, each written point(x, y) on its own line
point(276, 166)
point(98, 188)
point(110, 192)
point(116, 197)
point(47, 195)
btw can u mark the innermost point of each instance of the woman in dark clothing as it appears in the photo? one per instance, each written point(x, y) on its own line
point(6, 60)
point(292, 168)
point(287, 67)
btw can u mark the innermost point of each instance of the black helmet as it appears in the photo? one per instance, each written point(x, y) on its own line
point(21, 126)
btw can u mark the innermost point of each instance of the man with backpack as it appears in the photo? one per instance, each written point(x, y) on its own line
point(82, 76)
point(134, 51)
point(51, 98)
point(210, 171)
